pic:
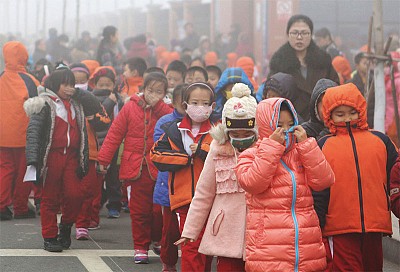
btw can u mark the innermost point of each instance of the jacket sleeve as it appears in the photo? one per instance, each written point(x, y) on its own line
point(158, 131)
point(89, 102)
point(160, 109)
point(34, 135)
point(101, 121)
point(319, 173)
point(109, 105)
point(167, 159)
point(321, 204)
point(114, 136)
point(202, 201)
point(257, 166)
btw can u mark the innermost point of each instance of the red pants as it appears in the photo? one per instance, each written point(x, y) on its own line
point(170, 234)
point(225, 264)
point(192, 260)
point(13, 190)
point(96, 204)
point(61, 187)
point(146, 218)
point(91, 188)
point(355, 252)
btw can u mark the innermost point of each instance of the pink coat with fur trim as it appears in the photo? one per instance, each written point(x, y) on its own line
point(282, 232)
point(219, 198)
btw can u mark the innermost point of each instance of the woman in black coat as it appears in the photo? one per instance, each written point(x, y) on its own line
point(301, 58)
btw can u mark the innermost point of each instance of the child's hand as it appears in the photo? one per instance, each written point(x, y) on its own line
point(278, 135)
point(102, 169)
point(193, 147)
point(70, 91)
point(152, 99)
point(300, 133)
point(183, 240)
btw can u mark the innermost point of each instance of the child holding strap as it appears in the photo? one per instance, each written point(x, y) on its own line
point(278, 174)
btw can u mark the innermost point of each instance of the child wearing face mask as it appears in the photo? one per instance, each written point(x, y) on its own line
point(81, 73)
point(135, 123)
point(182, 151)
point(278, 174)
point(219, 201)
point(355, 211)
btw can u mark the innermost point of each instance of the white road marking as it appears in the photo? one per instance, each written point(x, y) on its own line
point(90, 258)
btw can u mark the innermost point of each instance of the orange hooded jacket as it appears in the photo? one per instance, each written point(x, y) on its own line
point(361, 160)
point(16, 86)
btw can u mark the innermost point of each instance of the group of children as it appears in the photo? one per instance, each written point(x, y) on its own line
point(211, 171)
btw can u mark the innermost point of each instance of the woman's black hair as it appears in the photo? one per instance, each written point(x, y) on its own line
point(156, 76)
point(59, 77)
point(108, 32)
point(194, 86)
point(299, 18)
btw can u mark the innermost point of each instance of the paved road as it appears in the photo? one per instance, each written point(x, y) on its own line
point(110, 249)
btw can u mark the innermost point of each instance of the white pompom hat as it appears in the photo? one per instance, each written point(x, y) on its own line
point(238, 114)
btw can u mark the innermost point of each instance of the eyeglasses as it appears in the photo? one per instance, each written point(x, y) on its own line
point(303, 34)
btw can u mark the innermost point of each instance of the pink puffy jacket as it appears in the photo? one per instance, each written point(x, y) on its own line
point(282, 232)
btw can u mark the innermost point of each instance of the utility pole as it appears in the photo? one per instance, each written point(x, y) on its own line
point(64, 15)
point(380, 94)
point(26, 18)
point(44, 18)
point(77, 19)
point(37, 15)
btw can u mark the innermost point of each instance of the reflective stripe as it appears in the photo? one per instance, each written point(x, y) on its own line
point(296, 225)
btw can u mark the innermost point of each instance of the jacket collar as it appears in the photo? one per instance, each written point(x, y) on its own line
point(186, 124)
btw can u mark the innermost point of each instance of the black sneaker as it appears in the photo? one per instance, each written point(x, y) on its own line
point(52, 245)
point(6, 214)
point(28, 214)
point(64, 237)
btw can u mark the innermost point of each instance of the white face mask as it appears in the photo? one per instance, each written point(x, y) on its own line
point(82, 86)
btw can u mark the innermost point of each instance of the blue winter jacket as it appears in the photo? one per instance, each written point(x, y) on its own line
point(229, 76)
point(161, 195)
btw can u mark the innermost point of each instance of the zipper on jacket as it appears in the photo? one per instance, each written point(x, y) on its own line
point(172, 190)
point(293, 212)
point(192, 171)
point(360, 194)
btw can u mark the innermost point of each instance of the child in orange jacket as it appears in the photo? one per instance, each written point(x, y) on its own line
point(356, 207)
point(182, 151)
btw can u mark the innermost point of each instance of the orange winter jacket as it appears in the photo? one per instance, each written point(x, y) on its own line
point(169, 154)
point(16, 86)
point(361, 159)
point(131, 86)
point(282, 231)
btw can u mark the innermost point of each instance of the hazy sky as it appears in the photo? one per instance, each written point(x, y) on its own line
point(26, 16)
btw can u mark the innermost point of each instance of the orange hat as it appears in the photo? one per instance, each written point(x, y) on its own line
point(247, 64)
point(91, 65)
point(342, 67)
point(231, 59)
point(211, 58)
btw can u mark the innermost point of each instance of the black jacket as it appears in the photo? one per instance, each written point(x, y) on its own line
point(319, 65)
point(42, 113)
point(109, 105)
